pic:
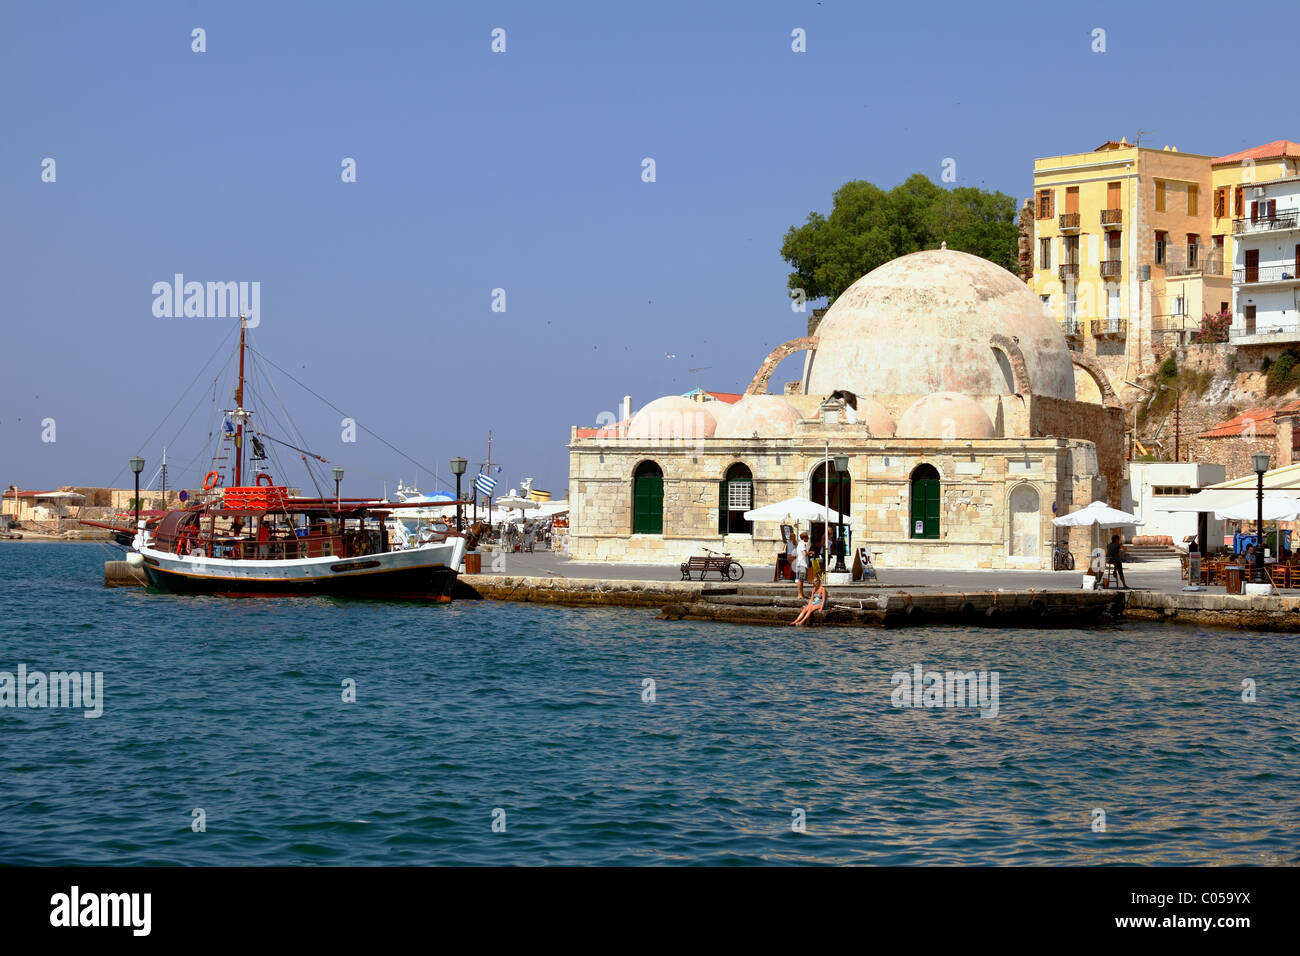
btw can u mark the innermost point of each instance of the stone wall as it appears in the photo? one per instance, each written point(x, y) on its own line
point(1101, 425)
point(978, 479)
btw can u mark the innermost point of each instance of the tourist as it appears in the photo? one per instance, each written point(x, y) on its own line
point(801, 562)
point(817, 603)
point(791, 546)
point(1115, 555)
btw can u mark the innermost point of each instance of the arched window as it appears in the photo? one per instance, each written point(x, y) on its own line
point(735, 497)
point(1024, 523)
point(648, 499)
point(925, 503)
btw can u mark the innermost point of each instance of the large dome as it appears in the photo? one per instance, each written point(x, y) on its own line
point(922, 323)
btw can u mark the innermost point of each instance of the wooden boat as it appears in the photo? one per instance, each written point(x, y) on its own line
point(261, 539)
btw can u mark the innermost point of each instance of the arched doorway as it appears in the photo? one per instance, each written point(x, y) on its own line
point(735, 497)
point(926, 503)
point(648, 499)
point(1024, 522)
point(840, 489)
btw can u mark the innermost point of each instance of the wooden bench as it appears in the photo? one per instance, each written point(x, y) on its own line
point(704, 565)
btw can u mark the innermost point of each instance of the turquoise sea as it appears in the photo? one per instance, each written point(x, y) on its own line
point(535, 717)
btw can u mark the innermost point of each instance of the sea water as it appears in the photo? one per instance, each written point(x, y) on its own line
point(292, 731)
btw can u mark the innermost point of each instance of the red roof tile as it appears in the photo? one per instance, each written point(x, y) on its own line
point(1273, 150)
point(1262, 419)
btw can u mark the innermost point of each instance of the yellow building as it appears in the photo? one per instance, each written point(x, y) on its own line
point(1123, 250)
point(1234, 178)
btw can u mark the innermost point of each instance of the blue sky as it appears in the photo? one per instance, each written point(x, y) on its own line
point(521, 171)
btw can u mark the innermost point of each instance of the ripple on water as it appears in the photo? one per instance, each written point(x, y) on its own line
point(474, 715)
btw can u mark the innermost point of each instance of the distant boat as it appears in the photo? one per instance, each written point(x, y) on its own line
point(259, 539)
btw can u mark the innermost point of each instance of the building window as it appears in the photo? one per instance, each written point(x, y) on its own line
point(1193, 248)
point(735, 497)
point(1045, 204)
point(1045, 253)
point(1250, 320)
point(1047, 303)
point(1112, 195)
point(648, 499)
point(1071, 304)
point(1072, 200)
point(1220, 202)
point(1193, 198)
point(1165, 491)
point(1112, 307)
point(1070, 250)
point(926, 503)
point(1239, 201)
point(1160, 195)
point(1180, 305)
point(1162, 241)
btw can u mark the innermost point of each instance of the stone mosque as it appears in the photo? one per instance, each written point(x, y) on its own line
point(943, 381)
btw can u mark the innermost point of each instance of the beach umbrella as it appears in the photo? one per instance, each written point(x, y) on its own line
point(799, 509)
point(1099, 515)
point(513, 502)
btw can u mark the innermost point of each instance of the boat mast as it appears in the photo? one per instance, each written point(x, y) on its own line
point(239, 410)
point(489, 471)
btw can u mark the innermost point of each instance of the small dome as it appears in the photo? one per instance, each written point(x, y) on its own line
point(672, 417)
point(770, 416)
point(945, 415)
point(876, 418)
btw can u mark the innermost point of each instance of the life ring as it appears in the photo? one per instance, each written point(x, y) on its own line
point(268, 483)
point(210, 480)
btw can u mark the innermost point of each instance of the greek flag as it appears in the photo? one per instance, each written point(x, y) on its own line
point(484, 485)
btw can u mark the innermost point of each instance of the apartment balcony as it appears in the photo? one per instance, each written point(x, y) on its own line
point(1109, 328)
point(1069, 222)
point(1112, 218)
point(1283, 220)
point(1264, 330)
point(1110, 268)
point(1072, 328)
point(1068, 270)
point(1194, 261)
point(1266, 275)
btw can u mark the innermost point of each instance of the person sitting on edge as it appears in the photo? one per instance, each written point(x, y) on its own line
point(801, 562)
point(1115, 555)
point(817, 603)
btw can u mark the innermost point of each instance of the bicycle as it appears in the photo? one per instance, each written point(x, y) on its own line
point(728, 567)
point(1062, 559)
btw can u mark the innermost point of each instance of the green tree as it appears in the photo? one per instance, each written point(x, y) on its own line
point(868, 226)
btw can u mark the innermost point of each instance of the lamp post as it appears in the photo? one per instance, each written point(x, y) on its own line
point(1178, 401)
point(137, 466)
point(1260, 462)
point(841, 468)
point(458, 469)
point(338, 480)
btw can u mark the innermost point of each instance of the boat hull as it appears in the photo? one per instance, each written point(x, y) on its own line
point(425, 574)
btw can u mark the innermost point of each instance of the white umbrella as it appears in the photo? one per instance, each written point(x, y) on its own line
point(800, 509)
point(1099, 515)
point(512, 502)
point(1276, 508)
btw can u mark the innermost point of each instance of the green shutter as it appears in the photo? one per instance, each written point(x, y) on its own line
point(648, 504)
point(723, 507)
point(925, 508)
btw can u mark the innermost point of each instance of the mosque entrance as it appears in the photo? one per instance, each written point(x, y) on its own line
point(648, 499)
point(840, 489)
point(926, 503)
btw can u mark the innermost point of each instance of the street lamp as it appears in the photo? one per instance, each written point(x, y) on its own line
point(841, 468)
point(137, 466)
point(1259, 461)
point(338, 480)
point(458, 469)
